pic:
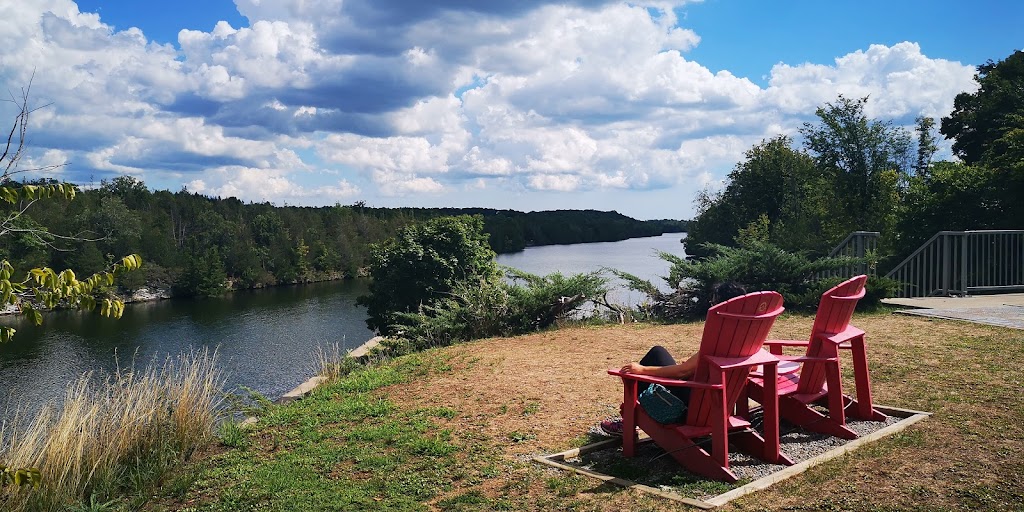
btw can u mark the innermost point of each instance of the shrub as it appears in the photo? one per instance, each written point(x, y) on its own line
point(422, 264)
point(497, 308)
point(878, 288)
point(757, 265)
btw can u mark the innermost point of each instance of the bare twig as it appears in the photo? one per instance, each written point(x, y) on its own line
point(615, 308)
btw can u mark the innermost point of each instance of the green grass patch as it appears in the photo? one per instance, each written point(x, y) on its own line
point(344, 447)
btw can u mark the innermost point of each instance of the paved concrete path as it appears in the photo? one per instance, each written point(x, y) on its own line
point(1006, 310)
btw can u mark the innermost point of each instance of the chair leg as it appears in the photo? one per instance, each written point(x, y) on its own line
point(720, 427)
point(770, 407)
point(696, 460)
point(836, 411)
point(864, 407)
point(629, 411)
point(857, 411)
point(751, 442)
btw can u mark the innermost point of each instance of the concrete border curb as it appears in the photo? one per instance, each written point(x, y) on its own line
point(313, 382)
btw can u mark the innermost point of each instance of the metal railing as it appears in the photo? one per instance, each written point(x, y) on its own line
point(856, 245)
point(963, 262)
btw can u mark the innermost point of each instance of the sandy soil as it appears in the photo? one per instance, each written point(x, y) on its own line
point(550, 385)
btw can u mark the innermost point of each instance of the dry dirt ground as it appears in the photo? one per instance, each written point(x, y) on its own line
point(542, 393)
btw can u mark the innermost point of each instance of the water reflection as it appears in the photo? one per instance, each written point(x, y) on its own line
point(267, 339)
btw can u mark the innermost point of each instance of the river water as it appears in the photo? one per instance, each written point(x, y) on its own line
point(267, 339)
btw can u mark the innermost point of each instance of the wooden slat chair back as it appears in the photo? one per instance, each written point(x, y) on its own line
point(734, 334)
point(818, 379)
point(733, 329)
point(834, 313)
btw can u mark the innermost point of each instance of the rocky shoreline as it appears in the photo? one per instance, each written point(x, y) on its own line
point(146, 294)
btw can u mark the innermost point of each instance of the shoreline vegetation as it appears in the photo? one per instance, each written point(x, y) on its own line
point(114, 438)
point(197, 245)
point(146, 293)
point(194, 245)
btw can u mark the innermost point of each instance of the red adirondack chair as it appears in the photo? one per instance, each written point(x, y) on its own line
point(734, 333)
point(817, 379)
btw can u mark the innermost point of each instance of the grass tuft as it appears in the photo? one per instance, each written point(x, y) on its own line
point(115, 437)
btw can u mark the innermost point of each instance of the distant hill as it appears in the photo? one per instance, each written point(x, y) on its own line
point(513, 231)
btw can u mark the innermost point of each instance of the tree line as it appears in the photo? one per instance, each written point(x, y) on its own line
point(512, 231)
point(198, 244)
point(851, 172)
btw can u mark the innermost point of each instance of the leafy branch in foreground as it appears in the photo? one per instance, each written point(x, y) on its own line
point(46, 288)
point(42, 287)
point(19, 476)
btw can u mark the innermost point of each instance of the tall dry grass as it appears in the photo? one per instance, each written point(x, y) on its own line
point(332, 363)
point(114, 437)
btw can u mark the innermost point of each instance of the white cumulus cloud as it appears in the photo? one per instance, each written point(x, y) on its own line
point(317, 101)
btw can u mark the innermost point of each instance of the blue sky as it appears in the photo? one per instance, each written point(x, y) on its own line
point(748, 37)
point(526, 105)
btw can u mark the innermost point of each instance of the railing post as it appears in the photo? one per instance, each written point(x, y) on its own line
point(965, 241)
point(945, 263)
point(858, 248)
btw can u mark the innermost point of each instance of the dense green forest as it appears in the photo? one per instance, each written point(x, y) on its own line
point(854, 173)
point(197, 244)
point(512, 231)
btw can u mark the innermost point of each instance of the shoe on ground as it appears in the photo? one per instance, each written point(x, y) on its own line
point(612, 427)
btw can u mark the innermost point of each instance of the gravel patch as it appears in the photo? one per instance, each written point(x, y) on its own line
point(801, 445)
point(654, 467)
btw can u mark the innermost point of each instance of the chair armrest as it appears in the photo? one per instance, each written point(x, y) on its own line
point(757, 358)
point(809, 359)
point(786, 367)
point(663, 380)
point(786, 343)
point(848, 334)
